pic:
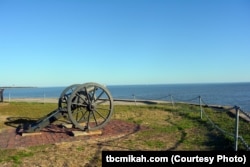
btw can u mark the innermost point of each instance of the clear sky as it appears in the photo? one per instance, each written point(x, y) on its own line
point(61, 42)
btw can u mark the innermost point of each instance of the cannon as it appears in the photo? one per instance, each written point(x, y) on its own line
point(87, 106)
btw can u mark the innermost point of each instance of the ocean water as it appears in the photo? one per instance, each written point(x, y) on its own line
point(229, 94)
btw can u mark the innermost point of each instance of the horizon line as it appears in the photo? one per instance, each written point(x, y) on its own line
point(6, 87)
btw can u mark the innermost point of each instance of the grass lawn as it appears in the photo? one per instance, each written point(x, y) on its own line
point(168, 128)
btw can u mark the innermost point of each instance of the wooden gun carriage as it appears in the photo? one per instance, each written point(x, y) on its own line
point(87, 106)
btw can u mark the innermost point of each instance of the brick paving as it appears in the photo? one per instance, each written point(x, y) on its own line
point(9, 139)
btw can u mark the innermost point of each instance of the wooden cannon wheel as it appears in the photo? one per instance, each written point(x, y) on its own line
point(62, 102)
point(90, 106)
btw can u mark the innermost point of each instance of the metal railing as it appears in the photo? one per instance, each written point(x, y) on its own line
point(200, 102)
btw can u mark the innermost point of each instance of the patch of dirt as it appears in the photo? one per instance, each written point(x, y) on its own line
point(82, 153)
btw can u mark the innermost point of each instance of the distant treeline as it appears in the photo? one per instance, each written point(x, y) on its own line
point(4, 87)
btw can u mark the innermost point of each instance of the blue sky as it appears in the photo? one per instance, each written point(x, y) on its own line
point(61, 42)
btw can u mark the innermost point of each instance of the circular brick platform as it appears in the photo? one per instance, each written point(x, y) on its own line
point(55, 134)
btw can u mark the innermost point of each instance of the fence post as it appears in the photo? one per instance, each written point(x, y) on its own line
point(236, 128)
point(134, 99)
point(44, 97)
point(9, 96)
point(172, 100)
point(1, 94)
point(200, 106)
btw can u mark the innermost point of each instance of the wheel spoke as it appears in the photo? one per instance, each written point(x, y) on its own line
point(88, 120)
point(95, 119)
point(91, 104)
point(99, 95)
point(65, 95)
point(79, 104)
point(79, 96)
point(100, 114)
point(87, 94)
point(93, 94)
point(83, 115)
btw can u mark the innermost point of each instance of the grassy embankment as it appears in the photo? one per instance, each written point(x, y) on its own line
point(168, 128)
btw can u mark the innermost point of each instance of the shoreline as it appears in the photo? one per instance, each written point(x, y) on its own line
point(55, 100)
point(126, 102)
point(38, 100)
point(115, 101)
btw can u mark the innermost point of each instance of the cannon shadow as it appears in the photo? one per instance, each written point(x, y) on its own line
point(18, 122)
point(15, 122)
